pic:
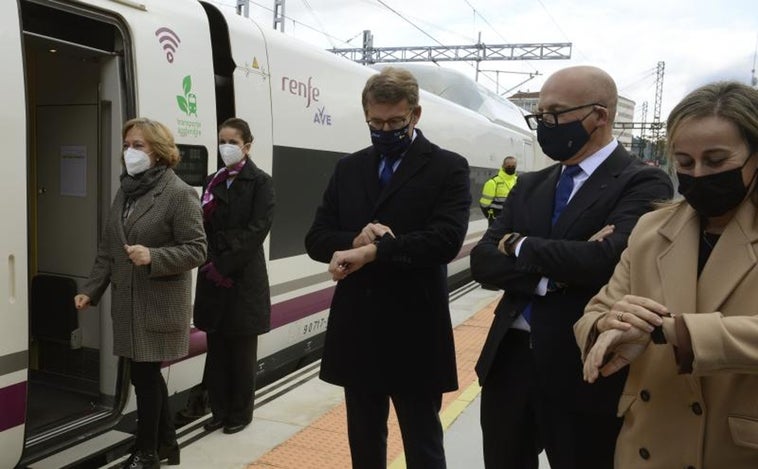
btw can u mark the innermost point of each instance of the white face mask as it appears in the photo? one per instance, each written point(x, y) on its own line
point(136, 161)
point(230, 153)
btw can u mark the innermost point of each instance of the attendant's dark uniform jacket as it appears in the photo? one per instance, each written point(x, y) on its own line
point(236, 231)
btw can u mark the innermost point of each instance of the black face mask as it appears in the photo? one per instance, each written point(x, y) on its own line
point(562, 141)
point(391, 143)
point(715, 194)
point(510, 171)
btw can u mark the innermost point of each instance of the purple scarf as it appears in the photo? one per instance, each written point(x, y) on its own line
point(209, 202)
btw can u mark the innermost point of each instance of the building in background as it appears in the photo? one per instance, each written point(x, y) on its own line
point(527, 101)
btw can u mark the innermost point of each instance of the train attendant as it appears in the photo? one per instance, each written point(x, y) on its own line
point(392, 217)
point(153, 239)
point(681, 307)
point(232, 302)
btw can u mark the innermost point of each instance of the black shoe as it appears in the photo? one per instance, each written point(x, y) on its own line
point(169, 451)
point(229, 429)
point(213, 424)
point(142, 460)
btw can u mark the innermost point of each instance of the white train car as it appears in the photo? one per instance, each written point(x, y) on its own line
point(75, 71)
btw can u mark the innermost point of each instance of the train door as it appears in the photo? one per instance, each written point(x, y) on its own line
point(76, 99)
point(13, 277)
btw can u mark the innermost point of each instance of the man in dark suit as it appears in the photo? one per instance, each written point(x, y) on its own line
point(392, 217)
point(560, 234)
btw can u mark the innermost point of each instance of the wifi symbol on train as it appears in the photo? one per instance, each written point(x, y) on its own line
point(169, 40)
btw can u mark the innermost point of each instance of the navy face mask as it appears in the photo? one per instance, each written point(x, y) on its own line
point(391, 143)
point(715, 194)
point(562, 141)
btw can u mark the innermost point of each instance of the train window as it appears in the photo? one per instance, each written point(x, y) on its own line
point(194, 164)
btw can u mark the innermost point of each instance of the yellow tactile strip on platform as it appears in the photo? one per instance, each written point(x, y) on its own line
point(323, 444)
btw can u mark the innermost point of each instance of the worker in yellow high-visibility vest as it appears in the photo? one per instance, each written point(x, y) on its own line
point(496, 189)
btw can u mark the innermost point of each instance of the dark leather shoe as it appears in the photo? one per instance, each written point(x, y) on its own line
point(213, 424)
point(142, 460)
point(169, 451)
point(229, 429)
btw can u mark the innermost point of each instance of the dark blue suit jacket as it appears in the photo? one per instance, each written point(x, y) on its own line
point(389, 325)
point(619, 191)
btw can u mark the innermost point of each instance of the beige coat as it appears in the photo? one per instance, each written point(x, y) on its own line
point(707, 419)
point(151, 307)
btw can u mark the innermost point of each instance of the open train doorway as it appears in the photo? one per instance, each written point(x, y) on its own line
point(77, 101)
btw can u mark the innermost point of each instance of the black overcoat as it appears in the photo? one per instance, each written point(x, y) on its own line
point(389, 326)
point(617, 193)
point(236, 231)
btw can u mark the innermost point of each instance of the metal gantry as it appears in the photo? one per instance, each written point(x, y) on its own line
point(368, 54)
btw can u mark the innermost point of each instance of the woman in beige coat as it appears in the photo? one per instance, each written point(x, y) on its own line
point(154, 237)
point(682, 305)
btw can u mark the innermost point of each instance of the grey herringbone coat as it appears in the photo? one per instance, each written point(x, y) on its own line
point(152, 304)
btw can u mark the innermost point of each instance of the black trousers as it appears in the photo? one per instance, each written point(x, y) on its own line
point(229, 376)
point(508, 413)
point(519, 417)
point(154, 423)
point(577, 438)
point(420, 427)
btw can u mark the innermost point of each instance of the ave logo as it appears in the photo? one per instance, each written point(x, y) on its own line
point(321, 117)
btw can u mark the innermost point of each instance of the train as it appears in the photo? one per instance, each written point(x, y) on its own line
point(75, 71)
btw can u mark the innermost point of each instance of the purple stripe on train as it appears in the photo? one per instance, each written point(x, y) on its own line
point(289, 311)
point(281, 314)
point(14, 406)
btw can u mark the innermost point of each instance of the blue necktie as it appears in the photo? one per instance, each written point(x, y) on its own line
point(564, 189)
point(387, 171)
point(562, 194)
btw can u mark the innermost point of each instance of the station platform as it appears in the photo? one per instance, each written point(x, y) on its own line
point(299, 421)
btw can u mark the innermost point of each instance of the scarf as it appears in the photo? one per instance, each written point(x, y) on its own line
point(209, 202)
point(136, 186)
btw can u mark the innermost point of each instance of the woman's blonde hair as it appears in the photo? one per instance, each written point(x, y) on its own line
point(159, 137)
point(728, 100)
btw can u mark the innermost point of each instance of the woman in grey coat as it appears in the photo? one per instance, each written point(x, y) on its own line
point(152, 240)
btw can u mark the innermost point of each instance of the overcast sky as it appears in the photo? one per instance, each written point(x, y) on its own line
point(699, 41)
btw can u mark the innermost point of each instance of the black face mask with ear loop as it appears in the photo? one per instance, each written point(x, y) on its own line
point(391, 143)
point(715, 194)
point(562, 141)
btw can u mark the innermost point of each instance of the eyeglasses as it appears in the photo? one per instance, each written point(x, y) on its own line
point(550, 119)
point(394, 123)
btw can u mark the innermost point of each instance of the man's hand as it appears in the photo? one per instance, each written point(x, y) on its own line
point(613, 350)
point(607, 230)
point(138, 254)
point(344, 263)
point(501, 243)
point(371, 233)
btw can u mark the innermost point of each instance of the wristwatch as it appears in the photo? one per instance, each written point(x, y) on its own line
point(510, 243)
point(657, 335)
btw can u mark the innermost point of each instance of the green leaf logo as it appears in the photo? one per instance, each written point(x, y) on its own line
point(187, 102)
point(182, 102)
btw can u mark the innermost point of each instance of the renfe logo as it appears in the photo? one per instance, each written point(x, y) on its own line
point(169, 40)
point(298, 88)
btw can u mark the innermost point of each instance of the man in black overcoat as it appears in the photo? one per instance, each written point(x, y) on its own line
point(392, 217)
point(556, 242)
